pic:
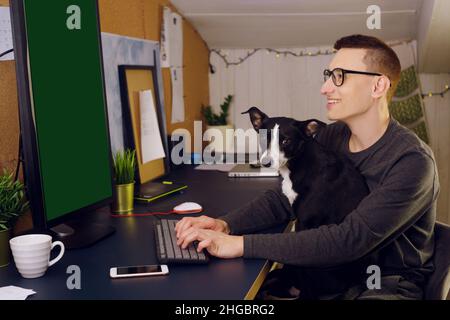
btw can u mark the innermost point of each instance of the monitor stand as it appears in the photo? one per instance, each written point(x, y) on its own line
point(81, 234)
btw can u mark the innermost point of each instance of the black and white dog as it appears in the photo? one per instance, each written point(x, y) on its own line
point(321, 185)
point(322, 188)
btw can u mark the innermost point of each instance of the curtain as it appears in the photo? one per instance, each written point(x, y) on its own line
point(407, 104)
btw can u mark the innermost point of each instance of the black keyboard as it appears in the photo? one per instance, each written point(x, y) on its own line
point(166, 245)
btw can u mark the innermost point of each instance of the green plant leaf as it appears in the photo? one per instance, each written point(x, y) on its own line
point(124, 166)
point(221, 119)
point(12, 200)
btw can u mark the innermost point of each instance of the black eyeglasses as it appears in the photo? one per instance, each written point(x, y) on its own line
point(338, 75)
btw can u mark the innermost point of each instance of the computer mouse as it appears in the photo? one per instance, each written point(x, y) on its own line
point(188, 207)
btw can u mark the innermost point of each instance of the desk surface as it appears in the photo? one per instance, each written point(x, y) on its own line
point(133, 244)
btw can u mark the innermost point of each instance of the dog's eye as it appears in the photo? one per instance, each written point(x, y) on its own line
point(285, 142)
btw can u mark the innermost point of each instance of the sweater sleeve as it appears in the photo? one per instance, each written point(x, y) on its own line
point(405, 194)
point(268, 210)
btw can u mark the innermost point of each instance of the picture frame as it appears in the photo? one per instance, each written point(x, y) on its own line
point(133, 79)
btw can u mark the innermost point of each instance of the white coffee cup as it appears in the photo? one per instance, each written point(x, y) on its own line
point(32, 254)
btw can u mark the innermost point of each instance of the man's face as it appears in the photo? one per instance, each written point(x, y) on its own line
point(353, 98)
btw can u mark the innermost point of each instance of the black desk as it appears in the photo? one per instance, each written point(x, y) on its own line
point(133, 244)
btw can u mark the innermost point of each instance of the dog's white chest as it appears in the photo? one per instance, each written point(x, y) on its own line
point(286, 185)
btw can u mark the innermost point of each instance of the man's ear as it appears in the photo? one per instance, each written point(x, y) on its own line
point(310, 127)
point(381, 86)
point(256, 117)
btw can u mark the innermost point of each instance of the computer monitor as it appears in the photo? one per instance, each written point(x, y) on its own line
point(63, 116)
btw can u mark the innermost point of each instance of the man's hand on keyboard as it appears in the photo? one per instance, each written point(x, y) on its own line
point(217, 243)
point(202, 222)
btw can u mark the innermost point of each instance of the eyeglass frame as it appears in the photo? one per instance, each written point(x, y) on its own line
point(345, 71)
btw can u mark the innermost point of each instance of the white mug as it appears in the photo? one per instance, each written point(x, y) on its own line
point(32, 254)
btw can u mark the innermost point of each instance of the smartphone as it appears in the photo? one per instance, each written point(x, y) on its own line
point(138, 271)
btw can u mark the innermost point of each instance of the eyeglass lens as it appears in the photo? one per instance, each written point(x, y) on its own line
point(337, 75)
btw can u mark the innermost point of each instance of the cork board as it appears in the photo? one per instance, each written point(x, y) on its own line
point(134, 79)
point(9, 117)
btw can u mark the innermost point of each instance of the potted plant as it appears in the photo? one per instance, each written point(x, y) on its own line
point(124, 169)
point(219, 122)
point(12, 205)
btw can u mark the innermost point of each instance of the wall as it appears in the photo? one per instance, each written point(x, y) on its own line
point(432, 35)
point(134, 18)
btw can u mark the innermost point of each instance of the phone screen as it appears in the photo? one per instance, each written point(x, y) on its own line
point(138, 269)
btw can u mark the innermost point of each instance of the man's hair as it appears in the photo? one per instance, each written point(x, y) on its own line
point(379, 57)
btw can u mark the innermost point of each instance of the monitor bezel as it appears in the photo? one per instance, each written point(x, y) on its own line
point(31, 167)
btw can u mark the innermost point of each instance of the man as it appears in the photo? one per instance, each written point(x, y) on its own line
point(394, 223)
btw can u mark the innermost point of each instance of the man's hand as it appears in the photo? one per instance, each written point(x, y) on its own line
point(217, 243)
point(202, 222)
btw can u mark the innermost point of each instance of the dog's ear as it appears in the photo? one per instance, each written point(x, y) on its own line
point(256, 117)
point(310, 127)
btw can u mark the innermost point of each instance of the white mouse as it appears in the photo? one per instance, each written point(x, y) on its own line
point(188, 207)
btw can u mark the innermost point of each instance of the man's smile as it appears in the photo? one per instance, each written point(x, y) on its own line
point(332, 102)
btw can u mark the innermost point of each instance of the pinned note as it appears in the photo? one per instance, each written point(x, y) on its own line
point(6, 41)
point(151, 142)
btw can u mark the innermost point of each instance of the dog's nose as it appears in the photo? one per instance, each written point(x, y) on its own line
point(266, 160)
point(267, 164)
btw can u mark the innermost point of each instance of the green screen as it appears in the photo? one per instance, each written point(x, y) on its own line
point(69, 105)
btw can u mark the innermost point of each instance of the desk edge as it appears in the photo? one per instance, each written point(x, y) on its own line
point(267, 267)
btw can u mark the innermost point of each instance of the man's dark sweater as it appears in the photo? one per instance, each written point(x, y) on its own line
point(396, 218)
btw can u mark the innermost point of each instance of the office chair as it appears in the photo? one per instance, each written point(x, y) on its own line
point(438, 284)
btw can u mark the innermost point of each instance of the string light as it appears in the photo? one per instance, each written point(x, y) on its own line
point(278, 53)
point(442, 93)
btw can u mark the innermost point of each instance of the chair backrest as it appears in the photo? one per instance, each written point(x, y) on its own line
point(438, 284)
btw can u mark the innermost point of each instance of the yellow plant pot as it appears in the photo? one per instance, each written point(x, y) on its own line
point(124, 198)
point(4, 247)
